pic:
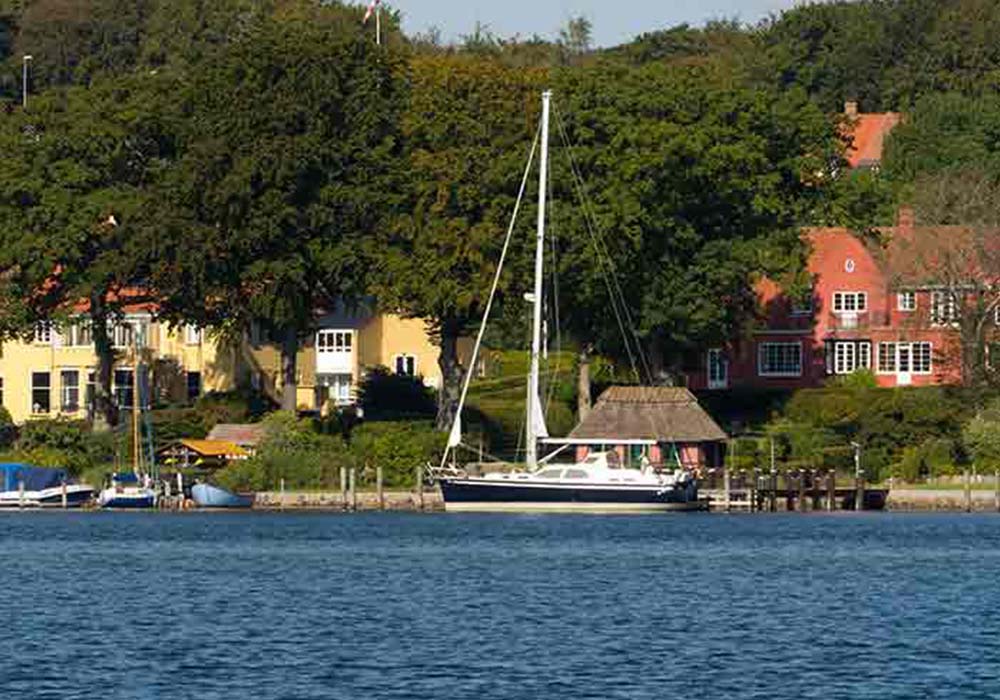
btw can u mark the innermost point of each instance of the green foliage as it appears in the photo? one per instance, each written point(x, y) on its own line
point(384, 395)
point(981, 436)
point(858, 379)
point(398, 447)
point(8, 431)
point(291, 450)
point(68, 444)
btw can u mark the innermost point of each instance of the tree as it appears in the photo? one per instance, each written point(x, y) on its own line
point(77, 176)
point(468, 129)
point(955, 252)
point(694, 188)
point(575, 36)
point(286, 169)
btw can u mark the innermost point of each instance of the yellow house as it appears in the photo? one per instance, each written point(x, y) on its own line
point(53, 373)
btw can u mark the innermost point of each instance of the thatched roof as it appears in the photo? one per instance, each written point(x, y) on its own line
point(661, 414)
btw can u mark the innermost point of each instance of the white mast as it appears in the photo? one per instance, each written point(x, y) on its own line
point(535, 421)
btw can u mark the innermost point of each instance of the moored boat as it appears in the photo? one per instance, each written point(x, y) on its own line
point(212, 496)
point(25, 485)
point(128, 491)
point(598, 484)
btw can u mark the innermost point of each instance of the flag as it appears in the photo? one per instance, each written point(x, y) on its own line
point(370, 10)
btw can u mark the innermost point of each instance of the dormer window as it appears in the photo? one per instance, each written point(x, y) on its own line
point(906, 301)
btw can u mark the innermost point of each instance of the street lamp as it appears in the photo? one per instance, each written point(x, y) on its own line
point(24, 80)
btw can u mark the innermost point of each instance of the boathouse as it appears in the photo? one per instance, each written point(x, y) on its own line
point(664, 425)
point(201, 453)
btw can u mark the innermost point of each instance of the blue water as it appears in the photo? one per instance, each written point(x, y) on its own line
point(445, 606)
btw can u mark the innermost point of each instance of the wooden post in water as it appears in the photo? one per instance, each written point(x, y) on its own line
point(814, 475)
point(831, 490)
point(343, 488)
point(967, 480)
point(996, 491)
point(754, 483)
point(65, 499)
point(281, 495)
point(20, 493)
point(802, 491)
point(859, 492)
point(353, 488)
point(378, 487)
point(726, 489)
point(420, 488)
point(773, 507)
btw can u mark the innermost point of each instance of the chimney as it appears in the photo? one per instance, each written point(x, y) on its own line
point(851, 109)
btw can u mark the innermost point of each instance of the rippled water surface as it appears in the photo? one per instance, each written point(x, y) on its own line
point(119, 605)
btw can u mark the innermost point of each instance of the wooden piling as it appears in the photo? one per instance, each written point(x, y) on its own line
point(967, 481)
point(420, 488)
point(814, 477)
point(65, 499)
point(752, 490)
point(20, 493)
point(773, 506)
point(859, 492)
point(343, 488)
point(802, 491)
point(353, 488)
point(379, 488)
point(996, 491)
point(726, 489)
point(281, 495)
point(831, 490)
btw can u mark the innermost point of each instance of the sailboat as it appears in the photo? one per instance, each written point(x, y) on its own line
point(598, 483)
point(134, 489)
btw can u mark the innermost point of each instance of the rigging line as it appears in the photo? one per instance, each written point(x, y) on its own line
point(601, 253)
point(493, 289)
point(551, 388)
point(601, 244)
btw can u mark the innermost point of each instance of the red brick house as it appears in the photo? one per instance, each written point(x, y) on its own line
point(872, 306)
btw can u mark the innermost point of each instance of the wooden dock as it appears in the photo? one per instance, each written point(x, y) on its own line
point(800, 491)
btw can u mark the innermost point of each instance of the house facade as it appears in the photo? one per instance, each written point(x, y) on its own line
point(858, 317)
point(862, 314)
point(53, 372)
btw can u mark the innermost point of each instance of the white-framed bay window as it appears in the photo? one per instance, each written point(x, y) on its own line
point(779, 359)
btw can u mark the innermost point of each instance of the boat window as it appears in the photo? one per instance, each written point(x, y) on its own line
point(550, 474)
point(575, 474)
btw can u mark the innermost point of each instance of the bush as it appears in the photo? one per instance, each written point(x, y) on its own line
point(981, 436)
point(398, 447)
point(64, 443)
point(291, 450)
point(8, 431)
point(383, 395)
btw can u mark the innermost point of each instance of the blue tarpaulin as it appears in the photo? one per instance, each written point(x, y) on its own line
point(34, 478)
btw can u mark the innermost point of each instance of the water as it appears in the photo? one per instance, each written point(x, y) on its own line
point(444, 606)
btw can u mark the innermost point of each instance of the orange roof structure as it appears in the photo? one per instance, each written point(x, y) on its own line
point(214, 448)
point(868, 133)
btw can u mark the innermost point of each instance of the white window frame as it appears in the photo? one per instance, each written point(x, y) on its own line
point(404, 357)
point(859, 302)
point(716, 359)
point(42, 333)
point(944, 301)
point(334, 340)
point(761, 351)
point(31, 392)
point(65, 390)
point(849, 356)
point(906, 301)
point(911, 350)
point(192, 335)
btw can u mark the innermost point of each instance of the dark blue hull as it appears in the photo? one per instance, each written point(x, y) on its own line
point(482, 494)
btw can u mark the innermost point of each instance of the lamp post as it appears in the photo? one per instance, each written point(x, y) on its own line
point(859, 492)
point(24, 80)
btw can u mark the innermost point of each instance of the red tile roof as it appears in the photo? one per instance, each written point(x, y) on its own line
point(868, 133)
